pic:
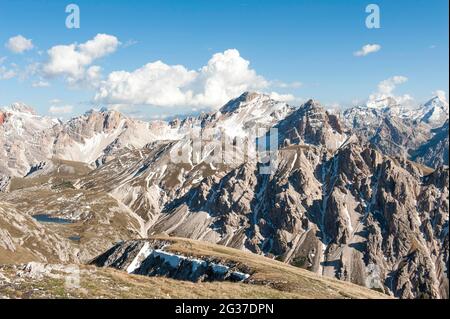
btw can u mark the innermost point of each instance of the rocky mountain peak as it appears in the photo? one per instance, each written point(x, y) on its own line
point(312, 124)
point(437, 101)
point(312, 104)
point(243, 100)
point(2, 117)
point(21, 108)
point(388, 102)
point(103, 109)
point(109, 118)
point(435, 111)
point(311, 109)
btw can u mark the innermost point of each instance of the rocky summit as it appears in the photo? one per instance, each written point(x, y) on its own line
point(361, 196)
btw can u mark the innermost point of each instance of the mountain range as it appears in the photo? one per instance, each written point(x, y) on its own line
point(360, 195)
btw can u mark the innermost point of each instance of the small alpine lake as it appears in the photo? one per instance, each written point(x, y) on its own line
point(44, 218)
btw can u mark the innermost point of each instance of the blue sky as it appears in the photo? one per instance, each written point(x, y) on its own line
point(286, 42)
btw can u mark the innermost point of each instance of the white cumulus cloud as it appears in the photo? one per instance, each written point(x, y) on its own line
point(386, 90)
point(441, 94)
point(73, 61)
point(282, 97)
point(387, 86)
point(19, 44)
point(284, 85)
point(225, 76)
point(6, 73)
point(64, 109)
point(40, 84)
point(367, 49)
point(155, 83)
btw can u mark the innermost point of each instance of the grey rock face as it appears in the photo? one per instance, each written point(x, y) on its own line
point(397, 130)
point(353, 214)
point(345, 211)
point(4, 183)
point(149, 258)
point(434, 112)
point(434, 153)
point(385, 130)
point(25, 139)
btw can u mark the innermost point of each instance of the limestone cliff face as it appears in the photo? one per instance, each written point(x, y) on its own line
point(25, 139)
point(95, 137)
point(417, 133)
point(333, 205)
point(151, 258)
point(311, 124)
point(434, 152)
point(355, 215)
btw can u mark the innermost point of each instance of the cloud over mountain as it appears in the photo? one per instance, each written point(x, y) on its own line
point(386, 90)
point(225, 75)
point(65, 109)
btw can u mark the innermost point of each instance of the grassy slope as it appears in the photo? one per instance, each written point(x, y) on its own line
point(111, 283)
point(280, 276)
point(270, 279)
